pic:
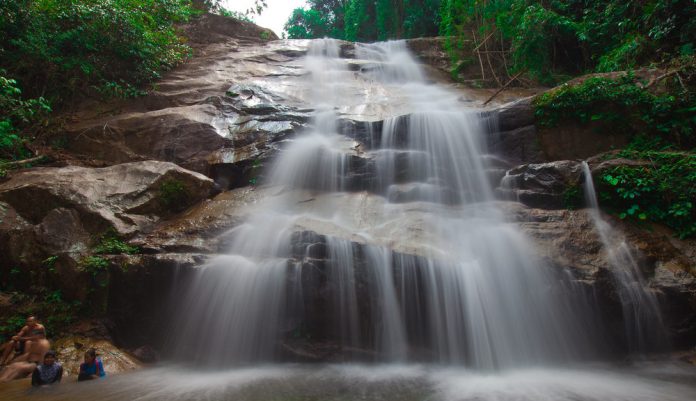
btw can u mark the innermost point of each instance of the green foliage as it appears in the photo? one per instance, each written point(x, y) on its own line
point(94, 264)
point(50, 263)
point(121, 89)
point(662, 190)
point(365, 20)
point(174, 195)
point(572, 197)
point(16, 113)
point(61, 47)
point(549, 38)
point(55, 312)
point(306, 24)
point(98, 268)
point(216, 6)
point(622, 105)
point(11, 326)
point(111, 244)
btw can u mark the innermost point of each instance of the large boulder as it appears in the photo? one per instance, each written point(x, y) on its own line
point(552, 185)
point(51, 217)
point(212, 28)
point(567, 239)
point(127, 197)
point(88, 334)
point(514, 135)
point(573, 141)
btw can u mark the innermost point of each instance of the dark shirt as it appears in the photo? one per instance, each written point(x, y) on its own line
point(47, 374)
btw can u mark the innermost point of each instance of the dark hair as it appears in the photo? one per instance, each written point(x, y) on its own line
point(50, 353)
point(92, 353)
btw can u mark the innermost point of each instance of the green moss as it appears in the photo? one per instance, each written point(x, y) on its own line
point(94, 264)
point(111, 244)
point(50, 263)
point(623, 106)
point(174, 195)
point(572, 197)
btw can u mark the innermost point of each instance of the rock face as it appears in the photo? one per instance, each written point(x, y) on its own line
point(578, 142)
point(217, 114)
point(127, 197)
point(514, 135)
point(213, 28)
point(71, 351)
point(567, 239)
point(61, 212)
point(545, 185)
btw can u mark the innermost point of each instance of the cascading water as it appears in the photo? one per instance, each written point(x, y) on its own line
point(643, 325)
point(468, 290)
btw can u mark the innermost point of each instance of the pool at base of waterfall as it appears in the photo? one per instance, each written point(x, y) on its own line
point(663, 381)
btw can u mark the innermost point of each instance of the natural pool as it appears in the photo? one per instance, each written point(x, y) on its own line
point(664, 381)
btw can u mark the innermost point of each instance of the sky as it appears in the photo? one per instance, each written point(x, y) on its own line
point(273, 17)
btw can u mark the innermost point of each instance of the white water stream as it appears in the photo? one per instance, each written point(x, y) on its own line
point(473, 293)
point(643, 325)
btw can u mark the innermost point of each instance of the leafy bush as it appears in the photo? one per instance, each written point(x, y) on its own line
point(94, 264)
point(622, 106)
point(59, 47)
point(56, 313)
point(233, 14)
point(663, 190)
point(555, 37)
point(16, 113)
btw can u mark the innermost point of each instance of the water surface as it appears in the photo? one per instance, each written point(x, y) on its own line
point(665, 381)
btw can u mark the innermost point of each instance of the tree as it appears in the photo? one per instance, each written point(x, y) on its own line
point(306, 24)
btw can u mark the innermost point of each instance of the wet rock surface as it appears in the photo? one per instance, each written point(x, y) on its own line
point(60, 213)
point(71, 350)
point(126, 196)
point(542, 185)
point(567, 239)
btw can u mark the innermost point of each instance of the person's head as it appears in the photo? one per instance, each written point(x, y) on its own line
point(32, 321)
point(90, 355)
point(49, 358)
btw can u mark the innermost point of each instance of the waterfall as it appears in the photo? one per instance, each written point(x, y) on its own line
point(643, 325)
point(394, 249)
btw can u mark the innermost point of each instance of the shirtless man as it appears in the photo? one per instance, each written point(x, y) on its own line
point(31, 339)
point(35, 347)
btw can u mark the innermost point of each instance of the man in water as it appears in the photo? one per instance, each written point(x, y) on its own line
point(29, 344)
point(49, 372)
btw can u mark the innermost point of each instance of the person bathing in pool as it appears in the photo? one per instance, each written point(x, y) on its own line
point(92, 368)
point(49, 372)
